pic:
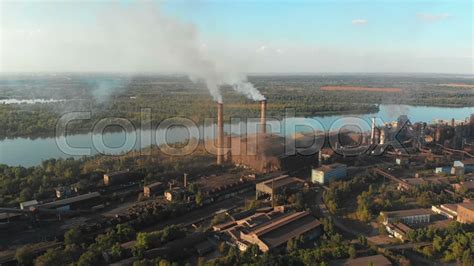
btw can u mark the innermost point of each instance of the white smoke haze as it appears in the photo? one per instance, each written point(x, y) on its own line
point(136, 36)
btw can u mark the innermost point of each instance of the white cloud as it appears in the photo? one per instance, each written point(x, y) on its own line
point(359, 21)
point(428, 17)
point(262, 48)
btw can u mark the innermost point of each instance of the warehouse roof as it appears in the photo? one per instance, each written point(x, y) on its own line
point(378, 260)
point(280, 181)
point(330, 167)
point(71, 200)
point(405, 213)
point(281, 229)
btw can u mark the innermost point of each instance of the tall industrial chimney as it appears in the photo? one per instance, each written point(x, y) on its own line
point(263, 116)
point(372, 132)
point(185, 181)
point(220, 133)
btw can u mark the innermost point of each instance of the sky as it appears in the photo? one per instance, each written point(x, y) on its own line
point(238, 36)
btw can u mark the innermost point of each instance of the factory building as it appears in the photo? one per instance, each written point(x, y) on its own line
point(178, 194)
point(398, 230)
point(377, 260)
point(260, 151)
point(120, 177)
point(467, 165)
point(466, 212)
point(266, 153)
point(328, 173)
point(270, 230)
point(412, 216)
point(448, 210)
point(278, 185)
point(28, 204)
point(85, 201)
point(153, 189)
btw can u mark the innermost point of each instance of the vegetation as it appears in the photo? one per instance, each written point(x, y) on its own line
point(125, 97)
point(18, 184)
point(453, 243)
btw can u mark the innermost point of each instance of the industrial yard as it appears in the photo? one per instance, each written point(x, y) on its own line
point(247, 133)
point(256, 191)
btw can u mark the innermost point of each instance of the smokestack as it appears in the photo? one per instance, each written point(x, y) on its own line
point(220, 133)
point(185, 182)
point(372, 133)
point(320, 158)
point(263, 116)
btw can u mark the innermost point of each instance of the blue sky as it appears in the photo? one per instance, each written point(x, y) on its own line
point(280, 36)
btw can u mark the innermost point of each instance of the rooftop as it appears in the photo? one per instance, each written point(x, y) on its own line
point(286, 228)
point(5, 215)
point(378, 260)
point(405, 213)
point(280, 181)
point(467, 205)
point(330, 167)
point(153, 185)
point(67, 201)
point(468, 161)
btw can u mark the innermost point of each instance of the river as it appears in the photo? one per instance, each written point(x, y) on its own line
point(31, 152)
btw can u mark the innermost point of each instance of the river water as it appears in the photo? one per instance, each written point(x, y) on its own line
point(30, 152)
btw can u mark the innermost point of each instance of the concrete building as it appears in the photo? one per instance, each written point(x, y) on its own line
point(177, 193)
point(328, 173)
point(448, 210)
point(266, 153)
point(270, 230)
point(466, 212)
point(443, 170)
point(278, 184)
point(153, 189)
point(65, 192)
point(85, 201)
point(28, 204)
point(398, 230)
point(412, 216)
point(120, 177)
point(467, 164)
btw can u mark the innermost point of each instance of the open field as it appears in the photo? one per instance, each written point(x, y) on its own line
point(458, 85)
point(353, 88)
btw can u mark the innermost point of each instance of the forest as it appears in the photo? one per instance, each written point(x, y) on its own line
point(126, 96)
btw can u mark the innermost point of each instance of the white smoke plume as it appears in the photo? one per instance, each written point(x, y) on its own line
point(182, 42)
point(132, 37)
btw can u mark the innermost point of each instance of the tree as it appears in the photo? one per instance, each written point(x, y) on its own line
point(223, 248)
point(251, 253)
point(73, 236)
point(52, 257)
point(90, 258)
point(362, 240)
point(352, 252)
point(117, 252)
point(427, 251)
point(24, 255)
point(437, 243)
point(467, 258)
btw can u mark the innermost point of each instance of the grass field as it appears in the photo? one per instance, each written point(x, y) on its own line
point(353, 88)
